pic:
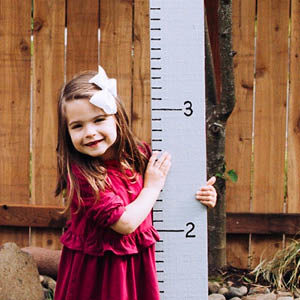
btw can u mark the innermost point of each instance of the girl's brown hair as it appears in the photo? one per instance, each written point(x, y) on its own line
point(131, 153)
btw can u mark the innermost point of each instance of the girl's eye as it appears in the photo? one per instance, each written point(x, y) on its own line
point(76, 126)
point(99, 120)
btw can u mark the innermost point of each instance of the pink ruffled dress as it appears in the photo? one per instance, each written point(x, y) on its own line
point(98, 263)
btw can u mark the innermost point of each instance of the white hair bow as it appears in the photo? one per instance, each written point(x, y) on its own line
point(105, 99)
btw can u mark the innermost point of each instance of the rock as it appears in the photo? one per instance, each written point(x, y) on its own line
point(260, 289)
point(235, 298)
point(19, 277)
point(270, 296)
point(236, 292)
point(216, 297)
point(284, 294)
point(285, 298)
point(223, 290)
point(213, 287)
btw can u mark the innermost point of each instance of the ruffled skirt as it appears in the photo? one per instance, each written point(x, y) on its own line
point(109, 277)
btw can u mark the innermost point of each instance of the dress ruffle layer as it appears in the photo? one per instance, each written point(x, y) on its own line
point(106, 241)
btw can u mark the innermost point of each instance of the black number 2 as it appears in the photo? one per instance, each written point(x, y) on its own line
point(192, 227)
point(188, 108)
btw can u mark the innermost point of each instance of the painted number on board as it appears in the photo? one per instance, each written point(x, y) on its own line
point(188, 108)
point(191, 228)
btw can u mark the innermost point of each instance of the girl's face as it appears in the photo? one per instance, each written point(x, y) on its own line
point(91, 130)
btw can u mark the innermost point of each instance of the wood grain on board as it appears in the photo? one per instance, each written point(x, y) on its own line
point(15, 58)
point(270, 116)
point(82, 36)
point(116, 46)
point(239, 126)
point(141, 106)
point(48, 77)
point(293, 148)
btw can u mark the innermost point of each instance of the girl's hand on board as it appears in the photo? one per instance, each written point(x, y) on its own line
point(157, 170)
point(207, 195)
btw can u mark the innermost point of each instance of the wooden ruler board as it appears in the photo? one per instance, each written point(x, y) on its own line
point(178, 126)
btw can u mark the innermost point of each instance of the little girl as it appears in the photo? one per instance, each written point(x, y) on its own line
point(111, 181)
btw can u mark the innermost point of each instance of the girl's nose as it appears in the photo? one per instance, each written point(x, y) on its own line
point(90, 131)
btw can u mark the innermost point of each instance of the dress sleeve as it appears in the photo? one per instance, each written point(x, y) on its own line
point(107, 210)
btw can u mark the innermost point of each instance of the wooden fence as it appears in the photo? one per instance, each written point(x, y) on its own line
point(263, 133)
point(66, 37)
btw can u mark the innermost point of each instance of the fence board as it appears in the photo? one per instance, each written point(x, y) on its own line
point(293, 171)
point(270, 113)
point(82, 38)
point(141, 106)
point(48, 77)
point(116, 45)
point(239, 126)
point(15, 108)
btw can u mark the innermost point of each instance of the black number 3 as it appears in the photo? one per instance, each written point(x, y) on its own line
point(188, 108)
point(192, 227)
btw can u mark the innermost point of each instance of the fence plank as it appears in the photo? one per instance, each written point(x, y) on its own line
point(82, 38)
point(116, 45)
point(293, 171)
point(239, 126)
point(48, 77)
point(141, 113)
point(270, 113)
point(15, 108)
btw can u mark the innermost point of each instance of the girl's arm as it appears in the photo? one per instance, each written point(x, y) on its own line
point(207, 195)
point(154, 180)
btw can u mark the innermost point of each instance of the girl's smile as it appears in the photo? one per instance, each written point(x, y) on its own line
point(91, 130)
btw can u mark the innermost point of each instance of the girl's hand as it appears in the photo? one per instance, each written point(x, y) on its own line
point(157, 171)
point(207, 195)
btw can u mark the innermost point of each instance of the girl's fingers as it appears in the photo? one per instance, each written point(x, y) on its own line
point(162, 159)
point(211, 181)
point(209, 204)
point(153, 158)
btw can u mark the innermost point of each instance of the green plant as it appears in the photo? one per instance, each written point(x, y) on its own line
point(283, 270)
point(228, 175)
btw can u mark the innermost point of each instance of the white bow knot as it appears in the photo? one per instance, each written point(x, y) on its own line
point(105, 99)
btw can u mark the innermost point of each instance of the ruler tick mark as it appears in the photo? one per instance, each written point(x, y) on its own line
point(156, 119)
point(158, 221)
point(167, 109)
point(170, 230)
point(157, 130)
point(156, 140)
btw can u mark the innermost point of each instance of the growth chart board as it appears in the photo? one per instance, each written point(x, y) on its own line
point(178, 126)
